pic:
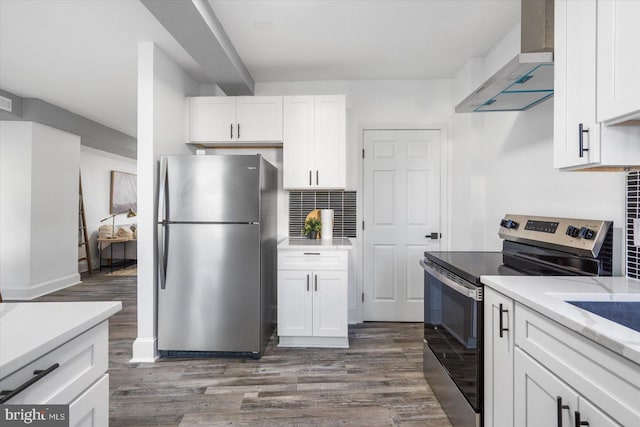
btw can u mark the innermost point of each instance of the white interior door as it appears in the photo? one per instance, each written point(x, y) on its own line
point(401, 210)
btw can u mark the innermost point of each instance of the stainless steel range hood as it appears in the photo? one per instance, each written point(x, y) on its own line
point(527, 79)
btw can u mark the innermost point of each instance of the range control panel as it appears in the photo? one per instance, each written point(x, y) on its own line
point(579, 236)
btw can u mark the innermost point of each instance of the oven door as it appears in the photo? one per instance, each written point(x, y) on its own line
point(453, 329)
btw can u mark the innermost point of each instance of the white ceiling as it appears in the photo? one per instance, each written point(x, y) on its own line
point(82, 55)
point(357, 39)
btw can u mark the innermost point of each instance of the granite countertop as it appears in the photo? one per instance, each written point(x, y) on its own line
point(337, 243)
point(29, 330)
point(547, 295)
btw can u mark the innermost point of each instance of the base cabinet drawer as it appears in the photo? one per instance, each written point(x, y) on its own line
point(313, 260)
point(82, 361)
point(91, 408)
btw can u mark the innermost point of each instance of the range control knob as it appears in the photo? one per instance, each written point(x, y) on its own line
point(586, 233)
point(573, 231)
point(508, 223)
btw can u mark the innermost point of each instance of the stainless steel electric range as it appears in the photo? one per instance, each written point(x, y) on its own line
point(453, 319)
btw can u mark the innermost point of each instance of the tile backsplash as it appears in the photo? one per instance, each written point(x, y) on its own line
point(633, 217)
point(343, 204)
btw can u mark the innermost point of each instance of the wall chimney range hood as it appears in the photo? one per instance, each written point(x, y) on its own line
point(527, 79)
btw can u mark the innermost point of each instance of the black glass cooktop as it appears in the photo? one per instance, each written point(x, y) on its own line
point(471, 265)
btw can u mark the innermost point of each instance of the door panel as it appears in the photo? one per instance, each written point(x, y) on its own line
point(297, 141)
point(211, 301)
point(213, 188)
point(294, 303)
point(329, 160)
point(535, 394)
point(259, 118)
point(329, 304)
point(212, 118)
point(401, 208)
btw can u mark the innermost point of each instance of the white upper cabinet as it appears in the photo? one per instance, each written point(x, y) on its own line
point(618, 60)
point(580, 140)
point(314, 143)
point(236, 119)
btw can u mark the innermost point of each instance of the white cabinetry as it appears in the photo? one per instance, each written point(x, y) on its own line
point(580, 140)
point(314, 142)
point(312, 298)
point(618, 60)
point(235, 118)
point(75, 376)
point(498, 361)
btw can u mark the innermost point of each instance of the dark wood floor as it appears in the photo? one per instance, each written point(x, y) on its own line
point(376, 382)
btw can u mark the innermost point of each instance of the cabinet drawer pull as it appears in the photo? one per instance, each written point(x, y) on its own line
point(312, 253)
point(39, 374)
point(581, 132)
point(578, 421)
point(502, 328)
point(559, 409)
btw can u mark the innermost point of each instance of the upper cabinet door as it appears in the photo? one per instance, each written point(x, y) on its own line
point(575, 84)
point(213, 118)
point(329, 158)
point(259, 118)
point(618, 59)
point(297, 141)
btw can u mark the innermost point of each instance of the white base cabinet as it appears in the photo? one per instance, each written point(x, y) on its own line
point(312, 298)
point(79, 379)
point(555, 376)
point(498, 359)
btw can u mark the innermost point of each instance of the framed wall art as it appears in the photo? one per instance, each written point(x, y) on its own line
point(124, 192)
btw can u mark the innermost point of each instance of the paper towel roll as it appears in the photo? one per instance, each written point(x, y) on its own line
point(326, 218)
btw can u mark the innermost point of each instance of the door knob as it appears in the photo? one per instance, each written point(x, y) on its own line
point(434, 236)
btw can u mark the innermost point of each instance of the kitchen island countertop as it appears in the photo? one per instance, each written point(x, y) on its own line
point(294, 243)
point(548, 296)
point(28, 330)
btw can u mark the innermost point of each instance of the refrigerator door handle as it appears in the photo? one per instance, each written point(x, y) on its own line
point(162, 256)
point(162, 189)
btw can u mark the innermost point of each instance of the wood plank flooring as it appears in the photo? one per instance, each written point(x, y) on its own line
point(378, 381)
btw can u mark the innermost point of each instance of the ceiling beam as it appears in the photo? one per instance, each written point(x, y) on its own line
point(194, 25)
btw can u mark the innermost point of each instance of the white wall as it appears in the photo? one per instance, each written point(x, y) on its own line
point(41, 220)
point(96, 166)
point(371, 104)
point(502, 162)
point(162, 88)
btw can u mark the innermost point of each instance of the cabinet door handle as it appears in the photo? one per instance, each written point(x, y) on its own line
point(307, 283)
point(238, 130)
point(559, 409)
point(317, 177)
point(581, 132)
point(310, 178)
point(39, 374)
point(578, 421)
point(315, 278)
point(501, 325)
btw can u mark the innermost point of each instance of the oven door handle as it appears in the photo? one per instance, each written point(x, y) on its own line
point(470, 291)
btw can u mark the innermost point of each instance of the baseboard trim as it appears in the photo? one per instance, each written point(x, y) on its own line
point(145, 350)
point(40, 289)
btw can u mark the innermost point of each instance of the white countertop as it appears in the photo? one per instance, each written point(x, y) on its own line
point(28, 330)
point(302, 243)
point(547, 295)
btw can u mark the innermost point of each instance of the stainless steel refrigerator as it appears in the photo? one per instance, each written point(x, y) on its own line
point(217, 255)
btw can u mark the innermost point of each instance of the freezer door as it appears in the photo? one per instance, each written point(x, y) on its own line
point(211, 188)
point(211, 297)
